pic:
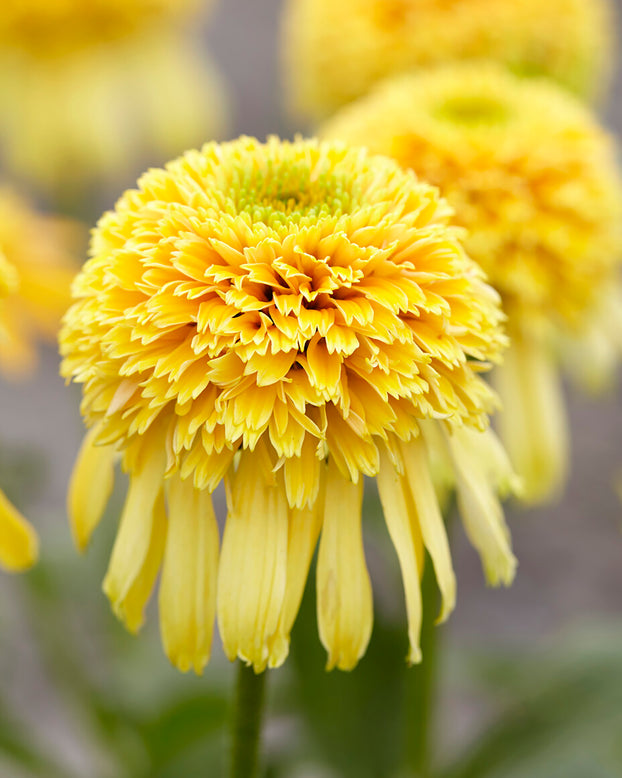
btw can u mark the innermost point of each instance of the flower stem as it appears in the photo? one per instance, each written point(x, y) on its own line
point(420, 688)
point(246, 722)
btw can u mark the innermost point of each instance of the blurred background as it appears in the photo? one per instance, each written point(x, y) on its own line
point(539, 664)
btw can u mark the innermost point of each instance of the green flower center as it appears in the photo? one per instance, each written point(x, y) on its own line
point(472, 110)
point(286, 194)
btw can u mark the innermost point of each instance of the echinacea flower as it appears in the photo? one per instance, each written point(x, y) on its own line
point(38, 261)
point(335, 52)
point(288, 317)
point(534, 179)
point(18, 540)
point(89, 90)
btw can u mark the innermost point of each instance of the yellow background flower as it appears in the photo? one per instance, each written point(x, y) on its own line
point(90, 90)
point(336, 51)
point(534, 179)
point(291, 317)
point(41, 252)
point(18, 541)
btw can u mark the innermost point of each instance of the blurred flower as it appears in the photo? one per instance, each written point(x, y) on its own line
point(19, 545)
point(288, 317)
point(18, 541)
point(534, 178)
point(90, 90)
point(334, 52)
point(37, 260)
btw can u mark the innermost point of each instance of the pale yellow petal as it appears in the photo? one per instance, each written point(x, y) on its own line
point(482, 514)
point(532, 423)
point(137, 597)
point(399, 514)
point(187, 595)
point(430, 519)
point(253, 563)
point(89, 488)
point(494, 460)
point(19, 544)
point(139, 543)
point(344, 596)
point(304, 530)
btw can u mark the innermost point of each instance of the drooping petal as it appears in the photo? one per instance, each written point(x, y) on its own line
point(187, 596)
point(482, 514)
point(253, 563)
point(89, 489)
point(139, 545)
point(533, 423)
point(430, 519)
point(304, 530)
point(139, 593)
point(19, 544)
point(399, 514)
point(344, 596)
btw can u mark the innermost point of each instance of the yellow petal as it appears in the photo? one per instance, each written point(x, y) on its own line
point(482, 514)
point(304, 530)
point(533, 423)
point(139, 545)
point(344, 596)
point(188, 586)
point(399, 514)
point(89, 489)
point(432, 526)
point(302, 475)
point(253, 563)
point(19, 544)
point(494, 460)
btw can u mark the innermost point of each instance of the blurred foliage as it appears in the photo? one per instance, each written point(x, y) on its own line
point(559, 711)
point(547, 712)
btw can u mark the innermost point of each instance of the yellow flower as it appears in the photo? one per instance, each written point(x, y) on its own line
point(37, 266)
point(18, 541)
point(334, 52)
point(288, 317)
point(91, 90)
point(534, 178)
point(19, 545)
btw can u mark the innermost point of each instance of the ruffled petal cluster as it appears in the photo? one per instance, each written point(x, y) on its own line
point(535, 180)
point(37, 264)
point(18, 541)
point(287, 317)
point(89, 91)
point(335, 52)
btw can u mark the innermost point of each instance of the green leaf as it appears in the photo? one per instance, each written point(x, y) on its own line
point(563, 718)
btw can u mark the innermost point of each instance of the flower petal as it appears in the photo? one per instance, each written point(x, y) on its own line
point(482, 514)
point(19, 544)
point(344, 596)
point(139, 545)
point(399, 514)
point(187, 595)
point(90, 488)
point(304, 530)
point(533, 423)
point(431, 524)
point(253, 563)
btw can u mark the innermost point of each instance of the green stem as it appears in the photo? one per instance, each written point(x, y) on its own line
point(246, 722)
point(421, 686)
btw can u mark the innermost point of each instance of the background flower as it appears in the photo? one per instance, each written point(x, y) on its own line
point(336, 51)
point(18, 542)
point(40, 252)
point(91, 91)
point(534, 179)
